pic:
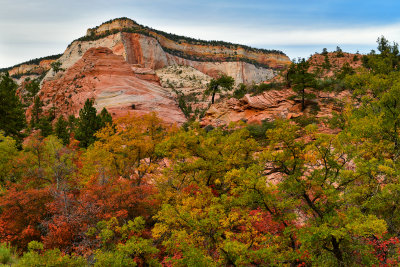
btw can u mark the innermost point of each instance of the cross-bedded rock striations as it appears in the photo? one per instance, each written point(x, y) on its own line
point(113, 83)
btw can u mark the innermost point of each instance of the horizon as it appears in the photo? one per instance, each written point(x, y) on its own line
point(46, 27)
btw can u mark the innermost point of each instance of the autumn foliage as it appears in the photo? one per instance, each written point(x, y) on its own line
point(144, 193)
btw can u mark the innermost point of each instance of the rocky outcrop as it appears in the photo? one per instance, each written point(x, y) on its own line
point(113, 83)
point(252, 109)
point(336, 61)
point(111, 25)
point(23, 69)
point(269, 106)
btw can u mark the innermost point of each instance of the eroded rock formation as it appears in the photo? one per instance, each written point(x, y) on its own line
point(269, 106)
point(113, 83)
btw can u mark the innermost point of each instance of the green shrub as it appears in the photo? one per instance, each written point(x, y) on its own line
point(5, 254)
point(258, 130)
point(54, 257)
point(113, 259)
point(240, 92)
point(303, 121)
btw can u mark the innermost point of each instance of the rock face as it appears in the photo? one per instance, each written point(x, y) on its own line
point(147, 52)
point(269, 106)
point(253, 109)
point(113, 83)
point(117, 63)
point(43, 66)
point(152, 49)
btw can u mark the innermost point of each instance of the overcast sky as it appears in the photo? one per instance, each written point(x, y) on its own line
point(36, 28)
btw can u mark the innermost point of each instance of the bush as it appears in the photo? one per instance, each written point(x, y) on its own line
point(258, 131)
point(303, 121)
point(240, 92)
point(5, 254)
point(54, 257)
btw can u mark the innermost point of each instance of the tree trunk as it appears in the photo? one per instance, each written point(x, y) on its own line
point(212, 99)
point(337, 251)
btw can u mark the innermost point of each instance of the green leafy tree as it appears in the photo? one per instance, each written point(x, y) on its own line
point(386, 61)
point(12, 115)
point(8, 151)
point(37, 256)
point(315, 175)
point(223, 83)
point(56, 66)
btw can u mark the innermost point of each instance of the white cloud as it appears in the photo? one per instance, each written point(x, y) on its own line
point(291, 36)
point(21, 41)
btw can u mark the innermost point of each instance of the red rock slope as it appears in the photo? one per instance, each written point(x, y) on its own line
point(113, 83)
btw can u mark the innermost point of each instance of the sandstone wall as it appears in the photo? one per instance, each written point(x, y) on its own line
point(147, 52)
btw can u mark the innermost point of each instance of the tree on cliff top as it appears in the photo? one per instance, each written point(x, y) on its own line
point(223, 83)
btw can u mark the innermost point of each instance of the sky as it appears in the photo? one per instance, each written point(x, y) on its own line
point(36, 28)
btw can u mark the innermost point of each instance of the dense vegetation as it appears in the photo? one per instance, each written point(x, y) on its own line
point(140, 192)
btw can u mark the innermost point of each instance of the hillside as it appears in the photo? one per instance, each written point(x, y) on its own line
point(141, 148)
point(147, 53)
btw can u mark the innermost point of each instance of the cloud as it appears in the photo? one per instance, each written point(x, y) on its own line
point(291, 36)
point(44, 27)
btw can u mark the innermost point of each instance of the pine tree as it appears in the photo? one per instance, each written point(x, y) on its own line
point(36, 111)
point(33, 87)
point(105, 117)
point(87, 124)
point(71, 122)
point(301, 79)
point(12, 115)
point(61, 130)
point(217, 85)
point(45, 126)
point(327, 64)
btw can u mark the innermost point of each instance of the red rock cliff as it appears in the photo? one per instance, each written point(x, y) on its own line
point(113, 83)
